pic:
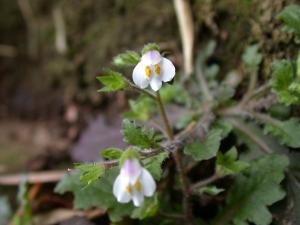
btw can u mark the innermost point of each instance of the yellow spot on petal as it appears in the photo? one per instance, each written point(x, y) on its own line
point(138, 186)
point(128, 189)
point(148, 71)
point(157, 69)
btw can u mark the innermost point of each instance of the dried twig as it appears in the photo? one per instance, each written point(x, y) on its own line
point(186, 26)
point(33, 177)
point(60, 31)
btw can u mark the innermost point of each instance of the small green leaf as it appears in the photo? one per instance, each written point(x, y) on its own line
point(211, 190)
point(206, 149)
point(149, 47)
point(139, 136)
point(112, 82)
point(228, 164)
point(252, 58)
point(141, 108)
point(90, 172)
point(287, 131)
point(290, 15)
point(153, 164)
point(128, 58)
point(148, 209)
point(223, 125)
point(111, 153)
point(284, 82)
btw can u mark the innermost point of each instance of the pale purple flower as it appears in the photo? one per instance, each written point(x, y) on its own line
point(153, 69)
point(133, 183)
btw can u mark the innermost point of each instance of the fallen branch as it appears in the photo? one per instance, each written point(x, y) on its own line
point(33, 177)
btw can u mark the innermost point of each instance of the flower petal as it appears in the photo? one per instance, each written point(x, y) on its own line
point(151, 58)
point(155, 82)
point(119, 190)
point(131, 170)
point(137, 198)
point(139, 76)
point(167, 70)
point(148, 183)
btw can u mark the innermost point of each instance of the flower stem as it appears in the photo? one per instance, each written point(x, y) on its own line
point(188, 216)
point(162, 111)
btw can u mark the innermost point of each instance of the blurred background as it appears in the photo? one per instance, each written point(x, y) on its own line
point(51, 52)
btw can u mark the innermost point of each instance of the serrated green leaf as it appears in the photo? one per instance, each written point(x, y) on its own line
point(5, 211)
point(229, 164)
point(153, 164)
point(287, 131)
point(290, 15)
point(253, 191)
point(112, 82)
point(141, 108)
point(149, 47)
point(225, 126)
point(138, 136)
point(211, 190)
point(206, 149)
point(128, 58)
point(98, 194)
point(284, 82)
point(252, 58)
point(111, 153)
point(148, 209)
point(90, 172)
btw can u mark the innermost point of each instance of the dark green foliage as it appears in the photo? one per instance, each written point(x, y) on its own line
point(254, 190)
point(287, 131)
point(139, 136)
point(153, 164)
point(291, 18)
point(206, 149)
point(284, 82)
point(228, 163)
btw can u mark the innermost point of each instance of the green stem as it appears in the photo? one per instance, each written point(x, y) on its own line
point(162, 110)
point(188, 216)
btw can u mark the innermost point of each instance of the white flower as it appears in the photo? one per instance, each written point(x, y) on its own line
point(153, 69)
point(133, 183)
